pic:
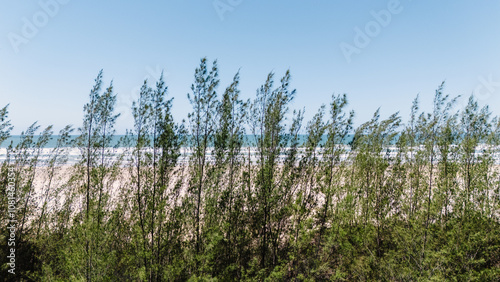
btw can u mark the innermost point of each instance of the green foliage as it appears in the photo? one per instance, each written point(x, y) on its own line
point(385, 201)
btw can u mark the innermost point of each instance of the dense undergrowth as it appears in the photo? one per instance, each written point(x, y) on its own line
point(401, 202)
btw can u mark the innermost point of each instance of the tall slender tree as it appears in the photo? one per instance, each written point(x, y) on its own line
point(202, 128)
point(95, 169)
point(267, 116)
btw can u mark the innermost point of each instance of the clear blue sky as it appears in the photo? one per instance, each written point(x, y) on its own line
point(49, 76)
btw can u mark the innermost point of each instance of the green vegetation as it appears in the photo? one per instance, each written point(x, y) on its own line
point(189, 201)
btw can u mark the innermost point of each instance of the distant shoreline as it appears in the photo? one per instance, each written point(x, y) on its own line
point(247, 141)
point(73, 154)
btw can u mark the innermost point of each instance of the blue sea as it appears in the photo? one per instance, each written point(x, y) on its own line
point(74, 153)
point(249, 140)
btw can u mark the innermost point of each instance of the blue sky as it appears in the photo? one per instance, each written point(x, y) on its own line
point(46, 72)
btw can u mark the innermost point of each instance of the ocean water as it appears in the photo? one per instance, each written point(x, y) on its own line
point(74, 154)
point(248, 140)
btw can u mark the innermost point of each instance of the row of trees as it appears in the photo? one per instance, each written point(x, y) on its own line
point(398, 202)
